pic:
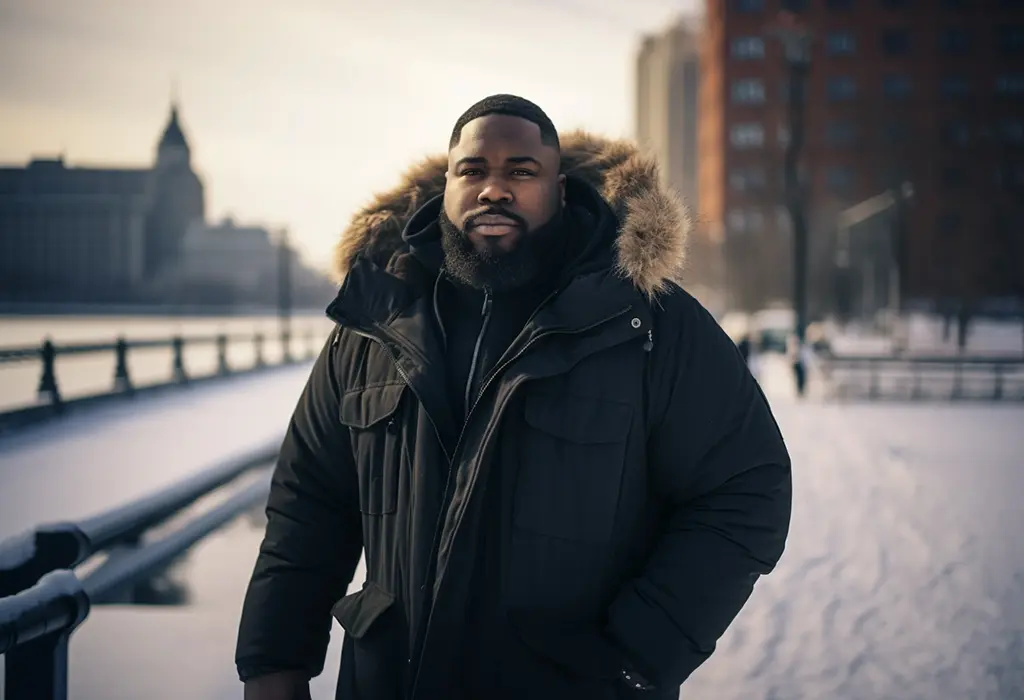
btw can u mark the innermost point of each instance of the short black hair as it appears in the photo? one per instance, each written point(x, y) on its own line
point(511, 105)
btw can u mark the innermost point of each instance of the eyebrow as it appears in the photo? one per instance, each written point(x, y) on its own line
point(515, 160)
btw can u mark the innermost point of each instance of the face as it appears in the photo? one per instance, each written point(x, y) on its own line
point(502, 183)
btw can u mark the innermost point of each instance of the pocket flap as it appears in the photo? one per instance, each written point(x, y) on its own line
point(364, 408)
point(580, 420)
point(357, 611)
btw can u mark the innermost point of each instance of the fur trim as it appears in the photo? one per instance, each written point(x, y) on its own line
point(653, 223)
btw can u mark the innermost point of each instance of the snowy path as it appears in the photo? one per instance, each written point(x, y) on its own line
point(903, 578)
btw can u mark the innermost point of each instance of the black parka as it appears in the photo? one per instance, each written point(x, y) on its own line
point(633, 478)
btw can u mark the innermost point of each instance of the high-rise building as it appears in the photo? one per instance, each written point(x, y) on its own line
point(929, 93)
point(668, 75)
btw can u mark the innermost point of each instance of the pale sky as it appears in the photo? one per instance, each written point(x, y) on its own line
point(298, 110)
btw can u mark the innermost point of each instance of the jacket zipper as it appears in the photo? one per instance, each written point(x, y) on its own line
point(494, 373)
point(486, 313)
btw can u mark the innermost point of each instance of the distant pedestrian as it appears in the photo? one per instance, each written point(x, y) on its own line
point(744, 347)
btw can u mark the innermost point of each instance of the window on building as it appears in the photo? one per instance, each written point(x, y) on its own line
point(896, 87)
point(747, 178)
point(840, 133)
point(955, 86)
point(895, 133)
point(839, 179)
point(956, 133)
point(841, 88)
point(896, 42)
point(1010, 85)
point(955, 41)
point(783, 221)
point(840, 44)
point(748, 5)
point(736, 221)
point(950, 223)
point(954, 177)
point(748, 91)
point(748, 47)
point(748, 135)
point(1011, 39)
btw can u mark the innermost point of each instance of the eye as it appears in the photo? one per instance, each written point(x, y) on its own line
point(469, 172)
point(522, 172)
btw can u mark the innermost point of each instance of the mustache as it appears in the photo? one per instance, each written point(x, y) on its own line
point(471, 220)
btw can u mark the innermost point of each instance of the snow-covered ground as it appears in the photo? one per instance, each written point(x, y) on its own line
point(903, 577)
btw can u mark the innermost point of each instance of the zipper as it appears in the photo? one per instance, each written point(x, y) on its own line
point(486, 313)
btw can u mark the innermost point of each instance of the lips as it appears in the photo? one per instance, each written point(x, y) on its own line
point(493, 220)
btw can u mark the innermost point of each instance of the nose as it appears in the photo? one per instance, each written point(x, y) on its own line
point(495, 190)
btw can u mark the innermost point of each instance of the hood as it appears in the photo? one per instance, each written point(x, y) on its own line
point(653, 224)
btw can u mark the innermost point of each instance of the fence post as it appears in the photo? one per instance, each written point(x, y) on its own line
point(286, 349)
point(48, 380)
point(38, 669)
point(222, 354)
point(122, 382)
point(258, 343)
point(178, 371)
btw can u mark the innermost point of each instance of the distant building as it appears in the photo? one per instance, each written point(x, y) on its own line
point(70, 233)
point(668, 75)
point(229, 262)
point(667, 83)
point(897, 92)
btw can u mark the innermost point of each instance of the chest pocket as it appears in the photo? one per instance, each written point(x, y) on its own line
point(571, 460)
point(375, 425)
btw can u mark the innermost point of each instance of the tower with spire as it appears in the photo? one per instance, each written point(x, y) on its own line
point(178, 197)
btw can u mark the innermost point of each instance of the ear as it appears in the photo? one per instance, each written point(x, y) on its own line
point(561, 188)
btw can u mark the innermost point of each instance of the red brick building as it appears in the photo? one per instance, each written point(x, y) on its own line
point(925, 91)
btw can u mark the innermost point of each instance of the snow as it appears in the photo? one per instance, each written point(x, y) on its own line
point(903, 575)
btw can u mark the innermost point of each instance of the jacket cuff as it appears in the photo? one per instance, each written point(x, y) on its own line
point(650, 641)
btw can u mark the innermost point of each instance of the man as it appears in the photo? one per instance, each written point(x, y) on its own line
point(563, 478)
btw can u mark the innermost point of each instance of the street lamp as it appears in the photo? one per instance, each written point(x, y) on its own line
point(796, 41)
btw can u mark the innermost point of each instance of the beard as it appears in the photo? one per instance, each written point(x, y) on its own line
point(536, 253)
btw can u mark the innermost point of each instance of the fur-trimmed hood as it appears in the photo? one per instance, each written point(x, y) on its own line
point(653, 223)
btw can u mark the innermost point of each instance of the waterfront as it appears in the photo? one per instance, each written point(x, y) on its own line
point(81, 375)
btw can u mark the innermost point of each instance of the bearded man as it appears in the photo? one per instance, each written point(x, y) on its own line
point(563, 478)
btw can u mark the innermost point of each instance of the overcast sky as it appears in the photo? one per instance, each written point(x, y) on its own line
point(298, 111)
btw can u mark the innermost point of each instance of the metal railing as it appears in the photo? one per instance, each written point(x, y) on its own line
point(917, 378)
point(52, 402)
point(42, 600)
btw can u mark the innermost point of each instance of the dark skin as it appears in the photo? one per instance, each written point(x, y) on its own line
point(501, 163)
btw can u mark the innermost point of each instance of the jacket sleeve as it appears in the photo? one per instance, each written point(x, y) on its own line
point(313, 538)
point(716, 453)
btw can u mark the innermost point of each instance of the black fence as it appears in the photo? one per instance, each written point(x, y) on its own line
point(42, 600)
point(923, 378)
point(51, 401)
